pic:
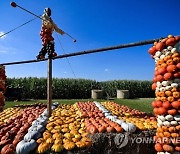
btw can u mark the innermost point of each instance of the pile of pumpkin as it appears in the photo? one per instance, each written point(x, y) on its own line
point(2, 87)
point(95, 119)
point(65, 130)
point(167, 90)
point(8, 113)
point(13, 131)
point(142, 120)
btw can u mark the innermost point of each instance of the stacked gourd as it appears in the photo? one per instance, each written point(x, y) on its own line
point(2, 87)
point(142, 120)
point(9, 113)
point(65, 130)
point(29, 144)
point(167, 89)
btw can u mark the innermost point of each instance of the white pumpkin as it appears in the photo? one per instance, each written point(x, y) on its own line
point(174, 123)
point(168, 87)
point(169, 117)
point(165, 83)
point(158, 84)
point(169, 48)
point(177, 117)
point(174, 85)
point(159, 121)
point(167, 123)
point(25, 147)
point(173, 50)
point(162, 89)
point(158, 54)
point(161, 117)
point(128, 127)
point(32, 135)
point(118, 121)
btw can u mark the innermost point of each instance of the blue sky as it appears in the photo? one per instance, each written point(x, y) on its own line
point(95, 24)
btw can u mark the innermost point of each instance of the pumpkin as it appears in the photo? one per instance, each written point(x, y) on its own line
point(166, 105)
point(176, 104)
point(43, 147)
point(81, 144)
point(170, 41)
point(177, 148)
point(57, 147)
point(171, 68)
point(40, 140)
point(50, 141)
point(169, 117)
point(172, 111)
point(177, 117)
point(167, 76)
point(8, 149)
point(24, 147)
point(162, 111)
point(152, 50)
point(128, 127)
point(168, 148)
point(158, 147)
point(69, 145)
point(32, 135)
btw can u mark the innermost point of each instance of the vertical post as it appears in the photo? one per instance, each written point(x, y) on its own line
point(49, 87)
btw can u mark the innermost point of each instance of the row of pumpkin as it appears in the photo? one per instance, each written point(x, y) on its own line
point(167, 90)
point(29, 129)
point(2, 87)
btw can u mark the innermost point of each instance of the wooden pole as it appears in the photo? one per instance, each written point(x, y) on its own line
point(49, 87)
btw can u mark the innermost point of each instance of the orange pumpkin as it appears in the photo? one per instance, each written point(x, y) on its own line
point(159, 46)
point(170, 99)
point(168, 93)
point(172, 111)
point(167, 134)
point(158, 147)
point(169, 62)
point(168, 148)
point(171, 41)
point(167, 76)
point(171, 68)
point(176, 94)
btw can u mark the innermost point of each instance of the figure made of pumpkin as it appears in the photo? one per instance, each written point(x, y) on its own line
point(48, 26)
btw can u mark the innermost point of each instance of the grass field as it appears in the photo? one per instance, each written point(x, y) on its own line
point(142, 104)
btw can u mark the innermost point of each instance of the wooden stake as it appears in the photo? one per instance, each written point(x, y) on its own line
point(49, 87)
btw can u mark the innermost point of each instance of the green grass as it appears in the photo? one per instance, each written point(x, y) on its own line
point(142, 104)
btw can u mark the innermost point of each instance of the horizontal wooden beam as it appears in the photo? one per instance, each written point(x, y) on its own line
point(87, 52)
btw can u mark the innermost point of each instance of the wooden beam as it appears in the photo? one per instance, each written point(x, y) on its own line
point(49, 87)
point(88, 51)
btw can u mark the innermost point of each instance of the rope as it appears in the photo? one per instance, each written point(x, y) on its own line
point(17, 27)
point(65, 53)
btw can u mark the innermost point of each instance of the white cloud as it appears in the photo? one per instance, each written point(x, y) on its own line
point(7, 50)
point(107, 70)
point(1, 33)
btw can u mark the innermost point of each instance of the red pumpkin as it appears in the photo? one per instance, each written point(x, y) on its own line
point(158, 147)
point(8, 149)
point(162, 71)
point(172, 112)
point(92, 129)
point(159, 46)
point(162, 111)
point(171, 41)
point(167, 76)
point(154, 86)
point(178, 65)
point(110, 129)
point(177, 148)
point(177, 38)
point(160, 78)
point(152, 50)
point(158, 103)
point(176, 104)
point(166, 105)
point(154, 104)
point(168, 148)
point(171, 68)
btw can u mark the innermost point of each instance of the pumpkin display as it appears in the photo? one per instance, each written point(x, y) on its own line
point(2, 87)
point(166, 84)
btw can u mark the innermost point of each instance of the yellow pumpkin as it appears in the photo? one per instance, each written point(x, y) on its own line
point(57, 147)
point(40, 140)
point(50, 140)
point(43, 147)
point(46, 135)
point(57, 135)
point(68, 135)
point(69, 145)
point(81, 144)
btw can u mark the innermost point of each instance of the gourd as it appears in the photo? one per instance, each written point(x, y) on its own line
point(43, 147)
point(69, 145)
point(8, 149)
point(39, 128)
point(128, 127)
point(177, 117)
point(57, 147)
point(24, 147)
point(32, 135)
